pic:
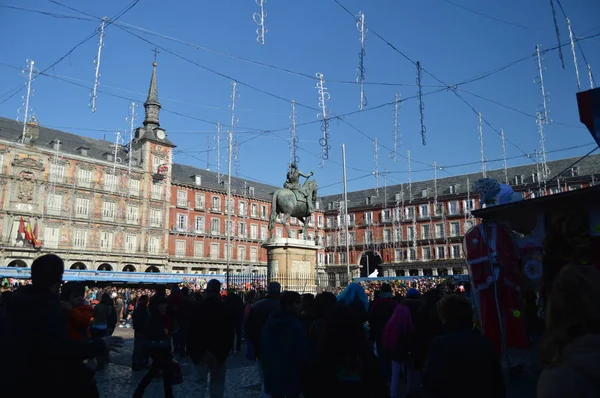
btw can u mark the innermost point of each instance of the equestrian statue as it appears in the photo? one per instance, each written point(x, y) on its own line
point(294, 200)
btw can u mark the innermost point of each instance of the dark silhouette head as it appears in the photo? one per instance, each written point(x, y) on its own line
point(47, 272)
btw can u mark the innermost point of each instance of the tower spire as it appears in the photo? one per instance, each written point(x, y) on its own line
point(152, 105)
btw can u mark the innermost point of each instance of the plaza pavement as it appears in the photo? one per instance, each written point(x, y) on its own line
point(119, 381)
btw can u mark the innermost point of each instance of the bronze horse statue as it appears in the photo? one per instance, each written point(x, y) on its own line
point(293, 204)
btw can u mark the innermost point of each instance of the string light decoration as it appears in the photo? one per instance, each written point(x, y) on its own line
point(421, 104)
point(469, 219)
point(23, 113)
point(396, 123)
point(131, 120)
point(408, 158)
point(208, 150)
point(539, 80)
point(572, 40)
point(218, 139)
point(560, 54)
point(323, 116)
point(236, 158)
point(362, 30)
point(115, 179)
point(259, 19)
point(591, 77)
point(293, 137)
point(540, 125)
point(504, 163)
point(94, 93)
point(481, 148)
point(376, 160)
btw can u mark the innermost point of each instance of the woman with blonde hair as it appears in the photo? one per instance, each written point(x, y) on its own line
point(570, 351)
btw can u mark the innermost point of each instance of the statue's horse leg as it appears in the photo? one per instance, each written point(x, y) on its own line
point(304, 221)
point(273, 215)
point(284, 222)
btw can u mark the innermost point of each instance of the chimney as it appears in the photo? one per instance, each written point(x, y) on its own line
point(32, 129)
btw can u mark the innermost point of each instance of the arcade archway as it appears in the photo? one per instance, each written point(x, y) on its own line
point(129, 268)
point(152, 269)
point(105, 267)
point(78, 265)
point(18, 264)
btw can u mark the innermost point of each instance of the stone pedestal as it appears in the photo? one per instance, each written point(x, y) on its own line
point(292, 263)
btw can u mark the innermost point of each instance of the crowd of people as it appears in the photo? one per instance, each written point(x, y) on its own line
point(373, 339)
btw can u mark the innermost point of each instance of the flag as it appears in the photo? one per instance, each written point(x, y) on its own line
point(21, 227)
point(29, 233)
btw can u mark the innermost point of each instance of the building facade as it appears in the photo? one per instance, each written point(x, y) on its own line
point(418, 229)
point(125, 206)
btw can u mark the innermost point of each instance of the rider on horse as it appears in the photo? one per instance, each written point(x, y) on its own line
point(293, 183)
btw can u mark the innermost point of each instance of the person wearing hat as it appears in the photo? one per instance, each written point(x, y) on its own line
point(259, 314)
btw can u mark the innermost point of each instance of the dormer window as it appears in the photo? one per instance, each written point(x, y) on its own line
point(251, 191)
point(198, 180)
point(108, 156)
point(575, 171)
point(453, 189)
point(399, 197)
point(425, 193)
point(55, 144)
point(368, 200)
point(82, 150)
point(519, 179)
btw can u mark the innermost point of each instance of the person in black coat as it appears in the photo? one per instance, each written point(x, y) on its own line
point(462, 351)
point(141, 314)
point(235, 308)
point(158, 343)
point(36, 342)
point(211, 340)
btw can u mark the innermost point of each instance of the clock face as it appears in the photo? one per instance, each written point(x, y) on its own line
point(160, 134)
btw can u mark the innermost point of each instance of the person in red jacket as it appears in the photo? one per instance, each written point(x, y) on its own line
point(79, 315)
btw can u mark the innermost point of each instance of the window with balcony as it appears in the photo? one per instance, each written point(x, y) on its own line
point(242, 230)
point(453, 207)
point(368, 220)
point(157, 191)
point(439, 231)
point(214, 251)
point(469, 205)
point(426, 252)
point(108, 211)
point(424, 211)
point(82, 207)
point(110, 182)
point(254, 231)
point(153, 245)
point(241, 253)
point(387, 235)
point(279, 232)
point(156, 163)
point(398, 234)
point(51, 237)
point(243, 209)
point(320, 220)
point(131, 243)
point(254, 210)
point(134, 187)
point(54, 204)
point(199, 249)
point(368, 237)
point(439, 209)
point(456, 251)
point(441, 253)
point(133, 214)
point(412, 254)
point(199, 204)
point(253, 254)
point(410, 212)
point(182, 222)
point(230, 205)
point(229, 228)
point(454, 229)
point(216, 203)
point(106, 240)
point(155, 218)
point(179, 248)
point(182, 196)
point(200, 224)
point(398, 255)
point(56, 172)
point(263, 211)
point(330, 258)
point(263, 232)
point(468, 225)
point(425, 232)
point(342, 258)
point(410, 233)
point(228, 251)
point(386, 215)
point(80, 237)
point(215, 226)
point(84, 178)
point(330, 222)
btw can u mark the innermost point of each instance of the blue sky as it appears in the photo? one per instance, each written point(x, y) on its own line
point(307, 37)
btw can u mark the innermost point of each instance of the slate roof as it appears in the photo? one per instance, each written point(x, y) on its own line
point(11, 130)
point(588, 166)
